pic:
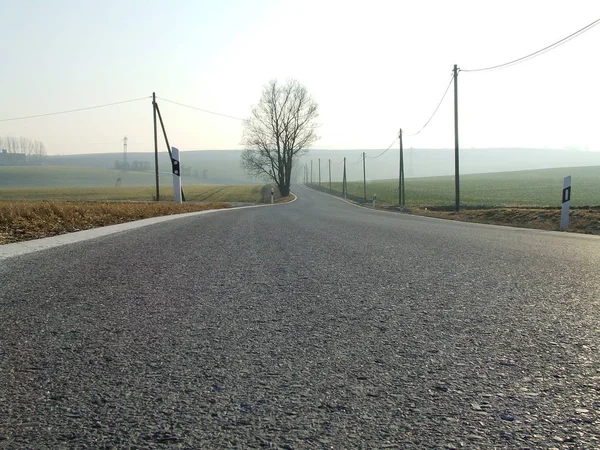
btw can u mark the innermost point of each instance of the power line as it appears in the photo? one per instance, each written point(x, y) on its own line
point(423, 127)
point(359, 160)
point(386, 150)
point(201, 109)
point(539, 52)
point(75, 110)
point(436, 109)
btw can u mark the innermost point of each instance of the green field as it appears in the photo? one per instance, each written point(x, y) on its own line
point(95, 184)
point(209, 193)
point(57, 176)
point(523, 188)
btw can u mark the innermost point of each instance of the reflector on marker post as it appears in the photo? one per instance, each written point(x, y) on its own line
point(566, 203)
point(175, 163)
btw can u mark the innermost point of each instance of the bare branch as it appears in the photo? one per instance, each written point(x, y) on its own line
point(280, 129)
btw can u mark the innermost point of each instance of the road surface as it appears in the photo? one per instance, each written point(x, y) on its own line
point(315, 324)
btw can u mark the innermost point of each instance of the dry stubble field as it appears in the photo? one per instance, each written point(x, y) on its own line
point(27, 214)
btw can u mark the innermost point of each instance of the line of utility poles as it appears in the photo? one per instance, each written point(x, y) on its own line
point(401, 187)
point(401, 184)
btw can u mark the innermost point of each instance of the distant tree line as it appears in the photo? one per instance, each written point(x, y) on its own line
point(135, 166)
point(21, 151)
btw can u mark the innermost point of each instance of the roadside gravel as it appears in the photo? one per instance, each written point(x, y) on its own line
point(309, 325)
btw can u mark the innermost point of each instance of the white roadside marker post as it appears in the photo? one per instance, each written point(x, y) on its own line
point(566, 203)
point(176, 175)
point(272, 195)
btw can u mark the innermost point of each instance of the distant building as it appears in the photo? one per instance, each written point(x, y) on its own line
point(12, 159)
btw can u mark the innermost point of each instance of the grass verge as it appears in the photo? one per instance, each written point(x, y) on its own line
point(580, 220)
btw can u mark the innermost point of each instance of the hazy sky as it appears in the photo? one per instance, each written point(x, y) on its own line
point(373, 67)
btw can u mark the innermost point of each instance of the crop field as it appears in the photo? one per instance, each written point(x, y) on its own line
point(541, 188)
point(208, 171)
point(204, 193)
point(40, 212)
point(57, 176)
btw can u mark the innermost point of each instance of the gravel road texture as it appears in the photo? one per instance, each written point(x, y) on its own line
point(315, 324)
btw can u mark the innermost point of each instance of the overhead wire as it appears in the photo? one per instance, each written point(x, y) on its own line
point(359, 160)
point(201, 109)
point(539, 52)
point(386, 150)
point(497, 66)
point(75, 110)
point(436, 108)
point(422, 128)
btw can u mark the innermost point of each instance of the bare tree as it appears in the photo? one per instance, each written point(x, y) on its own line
point(10, 144)
point(281, 128)
point(27, 150)
point(38, 152)
point(25, 146)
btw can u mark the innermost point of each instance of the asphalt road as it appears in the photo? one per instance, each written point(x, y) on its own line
point(315, 324)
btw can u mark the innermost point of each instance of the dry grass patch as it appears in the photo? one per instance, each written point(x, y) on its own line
point(21, 221)
point(580, 221)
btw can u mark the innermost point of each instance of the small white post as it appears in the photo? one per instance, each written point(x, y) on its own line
point(566, 203)
point(374, 199)
point(176, 175)
point(272, 195)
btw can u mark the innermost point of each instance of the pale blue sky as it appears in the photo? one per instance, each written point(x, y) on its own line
point(373, 67)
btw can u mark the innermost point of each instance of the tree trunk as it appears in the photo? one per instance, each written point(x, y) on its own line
point(284, 190)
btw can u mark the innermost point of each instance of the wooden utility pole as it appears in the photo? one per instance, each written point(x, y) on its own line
point(456, 165)
point(401, 193)
point(155, 146)
point(330, 174)
point(344, 182)
point(365, 175)
point(125, 163)
point(162, 125)
point(319, 171)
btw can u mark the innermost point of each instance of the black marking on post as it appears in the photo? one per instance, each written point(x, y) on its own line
point(175, 165)
point(566, 194)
